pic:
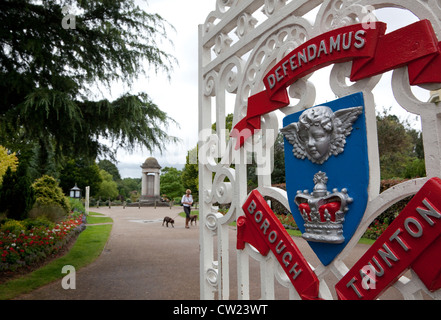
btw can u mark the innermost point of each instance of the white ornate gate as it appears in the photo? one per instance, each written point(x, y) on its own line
point(238, 45)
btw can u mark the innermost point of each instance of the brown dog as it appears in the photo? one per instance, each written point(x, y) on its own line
point(168, 220)
point(193, 218)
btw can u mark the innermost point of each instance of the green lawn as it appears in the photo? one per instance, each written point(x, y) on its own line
point(87, 248)
point(93, 219)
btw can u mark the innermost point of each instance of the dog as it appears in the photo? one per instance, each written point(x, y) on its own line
point(168, 220)
point(193, 218)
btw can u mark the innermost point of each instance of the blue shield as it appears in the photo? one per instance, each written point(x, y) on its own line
point(327, 172)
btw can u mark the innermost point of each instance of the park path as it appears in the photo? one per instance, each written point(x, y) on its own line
point(143, 260)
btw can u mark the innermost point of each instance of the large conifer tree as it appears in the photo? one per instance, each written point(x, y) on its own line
point(54, 51)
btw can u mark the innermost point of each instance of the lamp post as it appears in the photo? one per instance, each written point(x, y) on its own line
point(75, 192)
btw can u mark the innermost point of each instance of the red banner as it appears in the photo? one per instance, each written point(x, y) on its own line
point(413, 240)
point(372, 51)
point(261, 229)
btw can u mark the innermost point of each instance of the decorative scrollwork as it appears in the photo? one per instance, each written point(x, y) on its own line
point(223, 42)
point(229, 74)
point(224, 5)
point(212, 219)
point(271, 6)
point(210, 84)
point(341, 85)
point(212, 277)
point(240, 71)
point(245, 24)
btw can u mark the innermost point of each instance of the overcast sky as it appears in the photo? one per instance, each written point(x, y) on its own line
point(178, 97)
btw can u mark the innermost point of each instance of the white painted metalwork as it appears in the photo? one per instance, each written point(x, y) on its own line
point(240, 41)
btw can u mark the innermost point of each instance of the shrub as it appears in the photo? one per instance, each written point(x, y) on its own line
point(7, 161)
point(16, 193)
point(375, 230)
point(49, 193)
point(53, 213)
point(76, 205)
point(39, 222)
point(13, 226)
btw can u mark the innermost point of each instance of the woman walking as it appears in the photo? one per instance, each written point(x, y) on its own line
point(187, 201)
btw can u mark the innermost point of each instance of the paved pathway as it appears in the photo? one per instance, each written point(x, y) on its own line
point(144, 260)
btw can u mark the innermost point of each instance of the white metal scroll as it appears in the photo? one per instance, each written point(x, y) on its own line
point(240, 41)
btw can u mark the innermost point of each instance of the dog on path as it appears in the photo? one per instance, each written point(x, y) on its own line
point(168, 220)
point(193, 218)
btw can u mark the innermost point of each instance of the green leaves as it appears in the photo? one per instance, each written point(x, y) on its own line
point(47, 74)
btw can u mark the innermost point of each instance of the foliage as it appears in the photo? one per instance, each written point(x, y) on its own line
point(41, 221)
point(190, 176)
point(128, 185)
point(76, 205)
point(13, 226)
point(287, 221)
point(111, 168)
point(49, 193)
point(7, 160)
point(134, 196)
point(20, 246)
point(393, 211)
point(375, 230)
point(399, 147)
point(108, 187)
point(171, 185)
point(48, 76)
point(16, 193)
point(81, 172)
point(47, 212)
point(278, 174)
point(415, 169)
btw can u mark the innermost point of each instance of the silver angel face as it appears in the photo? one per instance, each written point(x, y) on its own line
point(320, 132)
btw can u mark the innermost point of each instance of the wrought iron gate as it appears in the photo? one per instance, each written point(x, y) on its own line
point(240, 41)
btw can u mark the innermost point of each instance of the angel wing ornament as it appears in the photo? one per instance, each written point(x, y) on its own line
point(320, 132)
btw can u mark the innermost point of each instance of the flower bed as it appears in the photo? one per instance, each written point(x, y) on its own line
point(33, 243)
point(287, 221)
point(375, 230)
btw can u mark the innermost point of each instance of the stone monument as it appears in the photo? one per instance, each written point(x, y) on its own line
point(150, 181)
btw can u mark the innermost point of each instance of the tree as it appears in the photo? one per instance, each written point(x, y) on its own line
point(111, 168)
point(7, 161)
point(16, 193)
point(49, 193)
point(81, 172)
point(171, 183)
point(128, 185)
point(48, 72)
point(278, 174)
point(399, 147)
point(108, 188)
point(190, 176)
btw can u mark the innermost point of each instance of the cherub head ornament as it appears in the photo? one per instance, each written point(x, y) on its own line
point(321, 132)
